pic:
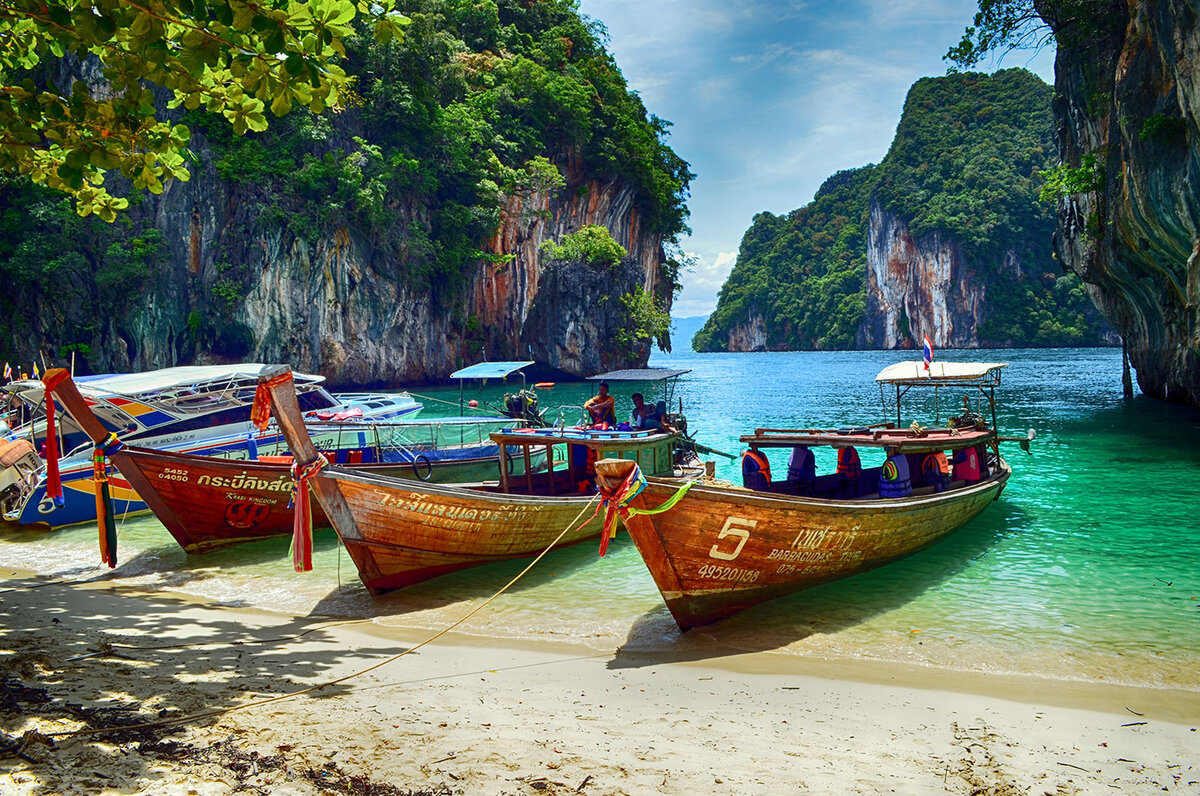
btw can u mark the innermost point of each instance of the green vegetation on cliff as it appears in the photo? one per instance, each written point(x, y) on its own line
point(966, 163)
point(481, 100)
point(803, 273)
point(470, 107)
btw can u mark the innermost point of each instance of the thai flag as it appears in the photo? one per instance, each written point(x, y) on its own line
point(928, 352)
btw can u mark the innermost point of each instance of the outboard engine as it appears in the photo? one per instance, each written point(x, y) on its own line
point(523, 405)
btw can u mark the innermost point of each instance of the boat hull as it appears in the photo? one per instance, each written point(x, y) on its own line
point(720, 549)
point(398, 535)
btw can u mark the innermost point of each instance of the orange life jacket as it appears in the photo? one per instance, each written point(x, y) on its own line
point(754, 467)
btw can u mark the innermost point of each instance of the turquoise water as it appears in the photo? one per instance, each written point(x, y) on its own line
point(1086, 568)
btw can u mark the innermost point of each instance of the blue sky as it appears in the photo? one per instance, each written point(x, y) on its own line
point(770, 98)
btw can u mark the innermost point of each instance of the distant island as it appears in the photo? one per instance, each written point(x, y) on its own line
point(945, 237)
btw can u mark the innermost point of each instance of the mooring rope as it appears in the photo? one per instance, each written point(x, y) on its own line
point(259, 703)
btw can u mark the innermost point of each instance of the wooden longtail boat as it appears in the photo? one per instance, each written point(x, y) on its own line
point(399, 533)
point(721, 549)
point(206, 502)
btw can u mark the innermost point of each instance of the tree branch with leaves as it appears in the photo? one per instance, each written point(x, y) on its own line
point(237, 58)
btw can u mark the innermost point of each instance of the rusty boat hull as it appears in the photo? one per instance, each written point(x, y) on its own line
point(398, 535)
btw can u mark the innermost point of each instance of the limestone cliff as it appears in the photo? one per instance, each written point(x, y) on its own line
point(1127, 94)
point(334, 306)
point(392, 240)
point(920, 286)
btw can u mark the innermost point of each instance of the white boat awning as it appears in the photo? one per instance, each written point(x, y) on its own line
point(489, 370)
point(638, 374)
point(905, 372)
point(155, 381)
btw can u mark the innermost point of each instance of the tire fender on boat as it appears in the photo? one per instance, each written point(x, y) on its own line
point(422, 460)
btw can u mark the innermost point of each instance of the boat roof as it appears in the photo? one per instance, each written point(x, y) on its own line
point(906, 440)
point(131, 384)
point(941, 372)
point(639, 374)
point(489, 370)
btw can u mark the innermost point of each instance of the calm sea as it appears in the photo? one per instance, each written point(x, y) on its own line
point(1088, 567)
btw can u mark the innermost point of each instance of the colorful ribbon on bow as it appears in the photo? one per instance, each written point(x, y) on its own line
point(616, 503)
point(260, 411)
point(105, 522)
point(302, 524)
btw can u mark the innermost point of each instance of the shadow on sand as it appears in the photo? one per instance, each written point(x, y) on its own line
point(97, 656)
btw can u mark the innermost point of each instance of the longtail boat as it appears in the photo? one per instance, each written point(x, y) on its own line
point(719, 549)
point(399, 533)
point(206, 502)
point(199, 409)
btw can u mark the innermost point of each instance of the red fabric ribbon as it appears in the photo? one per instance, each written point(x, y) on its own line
point(260, 411)
point(302, 524)
point(53, 479)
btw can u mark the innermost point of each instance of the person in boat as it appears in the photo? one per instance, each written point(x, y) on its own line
point(935, 471)
point(602, 407)
point(644, 415)
point(894, 478)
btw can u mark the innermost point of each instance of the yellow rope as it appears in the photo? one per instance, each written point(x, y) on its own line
point(319, 686)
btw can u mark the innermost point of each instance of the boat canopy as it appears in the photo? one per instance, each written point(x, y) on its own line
point(941, 373)
point(639, 374)
point(192, 376)
point(489, 370)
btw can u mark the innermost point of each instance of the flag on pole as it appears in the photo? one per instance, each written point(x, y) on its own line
point(7, 372)
point(36, 373)
point(928, 353)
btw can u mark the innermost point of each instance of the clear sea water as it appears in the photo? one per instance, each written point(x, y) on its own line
point(1088, 567)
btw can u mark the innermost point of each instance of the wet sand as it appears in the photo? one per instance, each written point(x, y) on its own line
point(463, 715)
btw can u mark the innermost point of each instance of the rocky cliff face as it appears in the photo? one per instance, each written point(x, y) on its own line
point(1127, 96)
point(919, 286)
point(335, 305)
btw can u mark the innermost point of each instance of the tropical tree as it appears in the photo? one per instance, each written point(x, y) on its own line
point(83, 81)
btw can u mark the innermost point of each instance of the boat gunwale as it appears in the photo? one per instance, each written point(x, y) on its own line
point(723, 494)
point(476, 490)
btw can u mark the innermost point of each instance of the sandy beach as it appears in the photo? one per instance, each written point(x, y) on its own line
point(464, 715)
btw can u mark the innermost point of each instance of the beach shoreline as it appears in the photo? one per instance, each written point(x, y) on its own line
point(469, 715)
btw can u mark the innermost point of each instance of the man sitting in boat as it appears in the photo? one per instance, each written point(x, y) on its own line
point(647, 416)
point(602, 407)
point(894, 479)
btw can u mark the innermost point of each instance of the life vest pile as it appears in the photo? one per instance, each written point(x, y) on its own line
point(894, 479)
point(966, 464)
point(756, 470)
point(802, 465)
point(849, 465)
point(935, 471)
